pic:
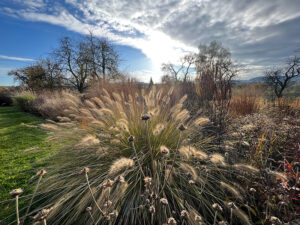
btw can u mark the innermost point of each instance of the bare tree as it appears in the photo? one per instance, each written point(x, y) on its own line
point(279, 78)
point(103, 58)
point(166, 79)
point(74, 61)
point(54, 73)
point(177, 72)
point(215, 61)
point(90, 58)
point(215, 71)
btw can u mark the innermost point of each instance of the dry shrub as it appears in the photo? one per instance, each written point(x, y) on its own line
point(289, 106)
point(127, 87)
point(214, 98)
point(6, 98)
point(47, 104)
point(243, 105)
point(192, 103)
point(246, 100)
point(52, 104)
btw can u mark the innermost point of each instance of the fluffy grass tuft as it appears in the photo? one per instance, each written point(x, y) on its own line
point(150, 172)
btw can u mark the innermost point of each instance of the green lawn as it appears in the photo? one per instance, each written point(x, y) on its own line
point(23, 151)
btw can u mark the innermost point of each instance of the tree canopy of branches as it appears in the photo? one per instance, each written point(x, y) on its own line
point(88, 59)
point(44, 74)
point(215, 70)
point(279, 78)
point(175, 73)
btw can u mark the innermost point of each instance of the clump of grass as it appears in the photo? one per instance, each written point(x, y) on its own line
point(24, 100)
point(146, 176)
point(243, 105)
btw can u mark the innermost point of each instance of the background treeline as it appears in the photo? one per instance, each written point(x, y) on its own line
point(74, 64)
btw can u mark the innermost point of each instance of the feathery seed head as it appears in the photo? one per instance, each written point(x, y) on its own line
point(115, 141)
point(223, 222)
point(231, 189)
point(88, 141)
point(120, 179)
point(152, 209)
point(182, 127)
point(217, 159)
point(282, 203)
point(186, 151)
point(182, 116)
point(217, 207)
point(164, 150)
point(89, 104)
point(164, 201)
point(42, 215)
point(198, 154)
point(275, 220)
point(114, 213)
point(184, 214)
point(16, 192)
point(154, 112)
point(108, 183)
point(131, 138)
point(123, 125)
point(277, 174)
point(171, 221)
point(158, 129)
point(114, 129)
point(85, 170)
point(120, 164)
point(201, 121)
point(145, 117)
point(148, 181)
point(246, 167)
point(189, 170)
point(198, 219)
point(117, 96)
point(108, 204)
point(192, 182)
point(107, 217)
point(231, 205)
point(50, 127)
point(41, 173)
point(181, 101)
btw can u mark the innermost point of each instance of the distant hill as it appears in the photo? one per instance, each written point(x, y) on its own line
point(261, 80)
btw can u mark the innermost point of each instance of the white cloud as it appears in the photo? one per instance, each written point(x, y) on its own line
point(31, 3)
point(145, 75)
point(16, 58)
point(164, 30)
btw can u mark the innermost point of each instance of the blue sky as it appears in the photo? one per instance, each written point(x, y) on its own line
point(147, 33)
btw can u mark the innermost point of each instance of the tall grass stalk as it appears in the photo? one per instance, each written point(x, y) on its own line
point(40, 175)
